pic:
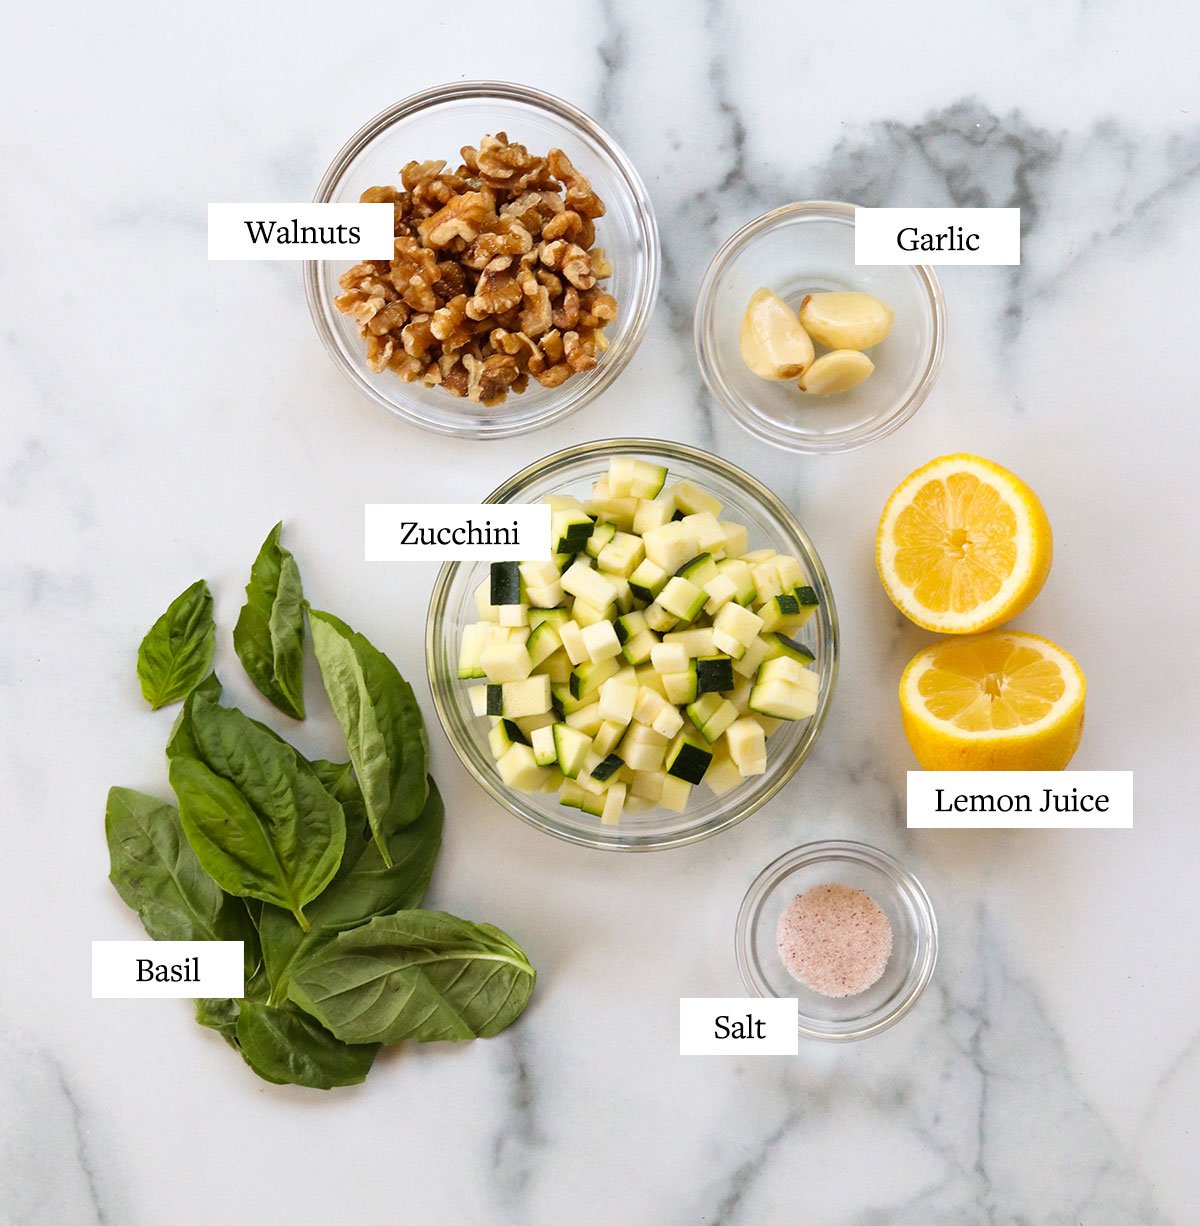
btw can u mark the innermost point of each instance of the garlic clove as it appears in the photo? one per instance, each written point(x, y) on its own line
point(846, 320)
point(772, 342)
point(835, 372)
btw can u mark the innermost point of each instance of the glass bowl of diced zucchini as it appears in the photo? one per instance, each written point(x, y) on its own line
point(664, 675)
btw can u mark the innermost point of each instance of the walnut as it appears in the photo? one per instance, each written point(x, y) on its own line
point(463, 217)
point(538, 314)
point(493, 276)
point(552, 346)
point(571, 260)
point(579, 355)
point(597, 309)
point(449, 324)
point(566, 314)
point(496, 293)
point(508, 238)
point(417, 337)
point(580, 196)
point(555, 375)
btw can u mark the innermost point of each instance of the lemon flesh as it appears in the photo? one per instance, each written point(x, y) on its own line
point(963, 545)
point(1000, 701)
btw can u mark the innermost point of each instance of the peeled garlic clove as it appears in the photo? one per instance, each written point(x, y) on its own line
point(773, 344)
point(838, 371)
point(846, 320)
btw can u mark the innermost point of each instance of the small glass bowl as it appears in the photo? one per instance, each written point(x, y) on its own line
point(802, 249)
point(437, 123)
point(893, 887)
point(452, 607)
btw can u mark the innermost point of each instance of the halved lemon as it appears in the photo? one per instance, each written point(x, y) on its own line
point(1004, 701)
point(963, 545)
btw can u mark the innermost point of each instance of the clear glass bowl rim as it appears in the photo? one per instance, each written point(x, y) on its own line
point(572, 399)
point(869, 432)
point(835, 850)
point(784, 769)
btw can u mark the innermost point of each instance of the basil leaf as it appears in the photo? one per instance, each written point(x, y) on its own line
point(156, 872)
point(180, 739)
point(219, 1014)
point(421, 975)
point(287, 1047)
point(177, 650)
point(363, 888)
point(269, 635)
point(255, 813)
point(381, 722)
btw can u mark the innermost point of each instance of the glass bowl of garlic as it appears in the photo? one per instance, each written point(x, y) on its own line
point(807, 249)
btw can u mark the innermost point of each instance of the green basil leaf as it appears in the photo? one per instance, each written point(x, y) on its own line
point(381, 722)
point(180, 740)
point(254, 811)
point(421, 975)
point(177, 650)
point(219, 1014)
point(287, 1047)
point(363, 888)
point(269, 635)
point(156, 872)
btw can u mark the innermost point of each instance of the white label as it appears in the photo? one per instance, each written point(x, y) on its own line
point(300, 232)
point(937, 236)
point(130, 970)
point(738, 1026)
point(1020, 800)
point(457, 532)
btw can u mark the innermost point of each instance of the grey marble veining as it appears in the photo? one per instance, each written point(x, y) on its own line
point(160, 413)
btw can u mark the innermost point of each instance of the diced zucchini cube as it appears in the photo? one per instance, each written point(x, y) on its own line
point(601, 641)
point(682, 598)
point(669, 657)
point(681, 687)
point(722, 775)
point(617, 700)
point(737, 538)
point(520, 770)
point(647, 580)
point(720, 590)
point(709, 534)
point(601, 535)
point(545, 752)
point(572, 640)
point(505, 660)
point(675, 794)
point(652, 514)
point(622, 555)
point(505, 585)
point(478, 696)
point(692, 500)
point(571, 746)
point(614, 805)
point(658, 619)
point(714, 674)
point(747, 746)
point(588, 585)
point(474, 640)
point(734, 629)
point(670, 546)
point(711, 714)
point(696, 642)
point(648, 785)
point(570, 529)
point(587, 720)
point(528, 697)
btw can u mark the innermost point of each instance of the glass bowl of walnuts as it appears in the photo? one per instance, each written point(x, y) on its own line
point(525, 268)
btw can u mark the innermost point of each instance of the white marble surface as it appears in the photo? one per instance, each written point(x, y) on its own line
point(160, 413)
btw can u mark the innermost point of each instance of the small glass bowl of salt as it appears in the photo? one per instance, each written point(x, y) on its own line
point(846, 930)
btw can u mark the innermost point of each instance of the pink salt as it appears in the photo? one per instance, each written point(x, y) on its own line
point(835, 939)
